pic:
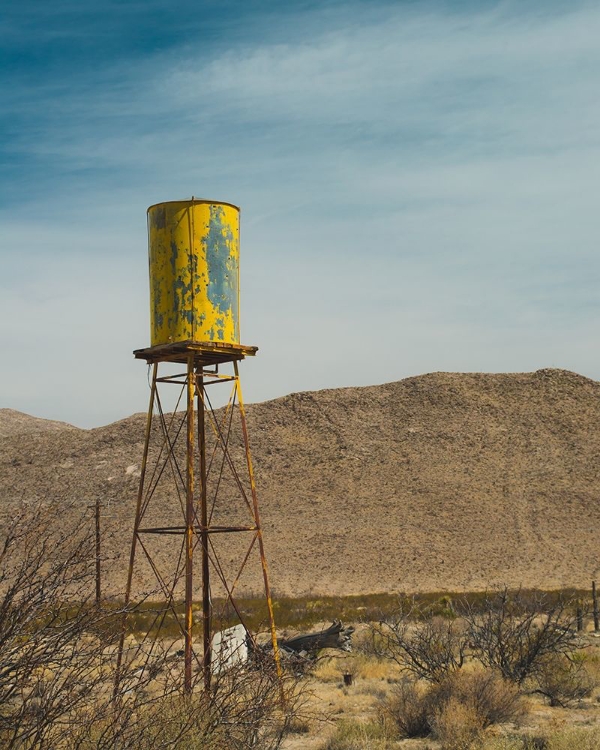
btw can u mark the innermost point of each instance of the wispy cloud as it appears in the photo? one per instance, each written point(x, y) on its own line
point(419, 180)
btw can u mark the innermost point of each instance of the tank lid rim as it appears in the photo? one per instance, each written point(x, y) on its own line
point(193, 202)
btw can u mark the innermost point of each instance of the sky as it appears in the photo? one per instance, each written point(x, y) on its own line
point(419, 187)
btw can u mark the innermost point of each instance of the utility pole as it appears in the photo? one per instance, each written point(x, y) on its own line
point(98, 569)
point(97, 550)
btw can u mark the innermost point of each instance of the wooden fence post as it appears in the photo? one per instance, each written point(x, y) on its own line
point(595, 606)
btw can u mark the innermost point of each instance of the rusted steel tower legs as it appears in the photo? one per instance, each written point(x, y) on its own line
point(261, 546)
point(206, 600)
point(197, 486)
point(189, 524)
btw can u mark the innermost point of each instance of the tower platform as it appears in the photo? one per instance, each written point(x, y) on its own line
point(204, 352)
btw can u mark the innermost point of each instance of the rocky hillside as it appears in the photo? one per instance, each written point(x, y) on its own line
point(440, 482)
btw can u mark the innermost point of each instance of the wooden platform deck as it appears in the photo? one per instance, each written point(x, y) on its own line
point(205, 352)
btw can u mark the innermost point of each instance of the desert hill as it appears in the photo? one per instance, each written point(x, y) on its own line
point(439, 482)
point(13, 423)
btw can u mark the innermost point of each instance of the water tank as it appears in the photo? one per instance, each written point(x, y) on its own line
point(194, 251)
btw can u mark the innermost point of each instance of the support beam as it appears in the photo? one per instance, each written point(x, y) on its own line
point(189, 526)
point(206, 600)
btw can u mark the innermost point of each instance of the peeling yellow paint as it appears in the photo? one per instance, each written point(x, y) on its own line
point(194, 250)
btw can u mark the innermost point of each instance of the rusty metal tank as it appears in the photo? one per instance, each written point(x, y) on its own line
point(194, 251)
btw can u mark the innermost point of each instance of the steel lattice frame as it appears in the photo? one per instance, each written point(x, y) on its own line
point(197, 503)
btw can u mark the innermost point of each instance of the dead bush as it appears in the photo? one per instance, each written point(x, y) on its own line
point(515, 633)
point(430, 649)
point(58, 663)
point(49, 629)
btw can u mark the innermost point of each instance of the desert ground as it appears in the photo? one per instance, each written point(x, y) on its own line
point(439, 484)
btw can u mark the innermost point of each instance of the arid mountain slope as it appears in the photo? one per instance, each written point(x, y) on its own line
point(439, 482)
point(14, 423)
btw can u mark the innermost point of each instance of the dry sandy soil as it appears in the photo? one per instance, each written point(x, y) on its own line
point(434, 483)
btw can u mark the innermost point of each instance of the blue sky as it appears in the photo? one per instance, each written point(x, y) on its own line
point(418, 183)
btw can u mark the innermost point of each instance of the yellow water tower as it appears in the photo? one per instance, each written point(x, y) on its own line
point(194, 255)
point(184, 497)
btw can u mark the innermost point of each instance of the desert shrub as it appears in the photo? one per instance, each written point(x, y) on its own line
point(377, 669)
point(327, 670)
point(408, 709)
point(579, 738)
point(413, 708)
point(380, 693)
point(502, 743)
point(494, 699)
point(58, 663)
point(457, 725)
point(442, 607)
point(430, 649)
point(50, 632)
point(244, 709)
point(358, 735)
point(514, 634)
point(592, 665)
point(364, 666)
point(564, 680)
point(568, 738)
point(298, 725)
point(510, 632)
point(514, 743)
